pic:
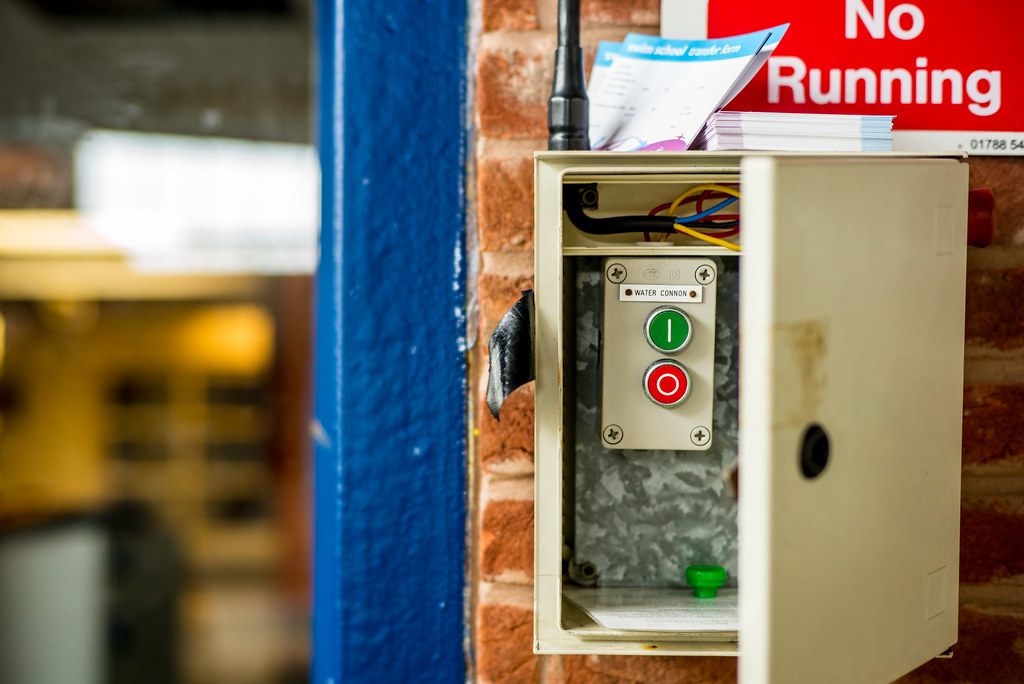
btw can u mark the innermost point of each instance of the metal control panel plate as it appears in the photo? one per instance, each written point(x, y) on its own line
point(658, 352)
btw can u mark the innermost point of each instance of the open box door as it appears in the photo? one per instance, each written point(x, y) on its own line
point(851, 376)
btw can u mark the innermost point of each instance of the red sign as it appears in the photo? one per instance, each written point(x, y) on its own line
point(952, 74)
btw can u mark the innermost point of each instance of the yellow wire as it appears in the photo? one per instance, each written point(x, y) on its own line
point(693, 233)
point(707, 238)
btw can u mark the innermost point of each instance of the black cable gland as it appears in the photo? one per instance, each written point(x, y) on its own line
point(568, 107)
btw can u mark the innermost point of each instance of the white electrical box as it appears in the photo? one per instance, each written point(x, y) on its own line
point(821, 366)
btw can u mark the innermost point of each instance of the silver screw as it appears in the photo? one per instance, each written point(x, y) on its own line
point(616, 273)
point(704, 274)
point(612, 434)
point(700, 435)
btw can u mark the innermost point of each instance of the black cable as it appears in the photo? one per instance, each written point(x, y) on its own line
point(572, 203)
point(711, 225)
point(568, 108)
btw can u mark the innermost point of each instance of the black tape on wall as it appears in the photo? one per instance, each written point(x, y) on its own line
point(511, 353)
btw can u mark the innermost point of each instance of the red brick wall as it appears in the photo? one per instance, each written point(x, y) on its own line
point(513, 77)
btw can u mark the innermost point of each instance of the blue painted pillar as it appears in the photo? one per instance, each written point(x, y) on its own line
point(390, 371)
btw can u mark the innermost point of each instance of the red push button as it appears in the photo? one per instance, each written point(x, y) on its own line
point(666, 382)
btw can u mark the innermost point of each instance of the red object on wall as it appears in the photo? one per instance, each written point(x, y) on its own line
point(935, 64)
point(981, 217)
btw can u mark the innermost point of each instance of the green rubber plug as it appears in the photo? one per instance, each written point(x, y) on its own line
point(705, 579)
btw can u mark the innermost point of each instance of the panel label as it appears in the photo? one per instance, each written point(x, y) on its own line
point(633, 292)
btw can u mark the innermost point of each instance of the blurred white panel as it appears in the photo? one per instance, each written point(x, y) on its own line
point(210, 205)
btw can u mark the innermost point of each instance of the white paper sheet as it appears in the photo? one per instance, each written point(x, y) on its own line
point(657, 609)
point(650, 93)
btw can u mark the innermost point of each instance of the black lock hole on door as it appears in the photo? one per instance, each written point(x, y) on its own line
point(814, 451)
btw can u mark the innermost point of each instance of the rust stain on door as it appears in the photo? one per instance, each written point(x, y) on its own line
point(800, 352)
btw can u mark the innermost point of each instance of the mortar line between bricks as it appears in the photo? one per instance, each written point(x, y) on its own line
point(505, 477)
point(995, 257)
point(993, 595)
point(509, 148)
point(507, 264)
point(992, 484)
point(544, 39)
point(981, 367)
point(526, 40)
point(547, 15)
point(491, 592)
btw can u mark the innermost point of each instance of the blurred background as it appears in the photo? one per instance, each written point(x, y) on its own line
point(158, 225)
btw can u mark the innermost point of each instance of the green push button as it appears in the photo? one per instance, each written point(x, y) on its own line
point(705, 579)
point(668, 329)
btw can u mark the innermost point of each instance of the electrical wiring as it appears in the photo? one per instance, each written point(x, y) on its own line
point(684, 224)
point(689, 192)
point(701, 213)
point(686, 220)
point(723, 225)
point(691, 222)
point(720, 219)
point(725, 229)
point(729, 225)
point(706, 238)
point(654, 212)
point(698, 200)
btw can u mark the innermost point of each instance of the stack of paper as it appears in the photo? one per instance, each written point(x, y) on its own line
point(657, 609)
point(799, 132)
point(650, 93)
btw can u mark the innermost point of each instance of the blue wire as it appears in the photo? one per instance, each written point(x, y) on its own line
point(707, 212)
